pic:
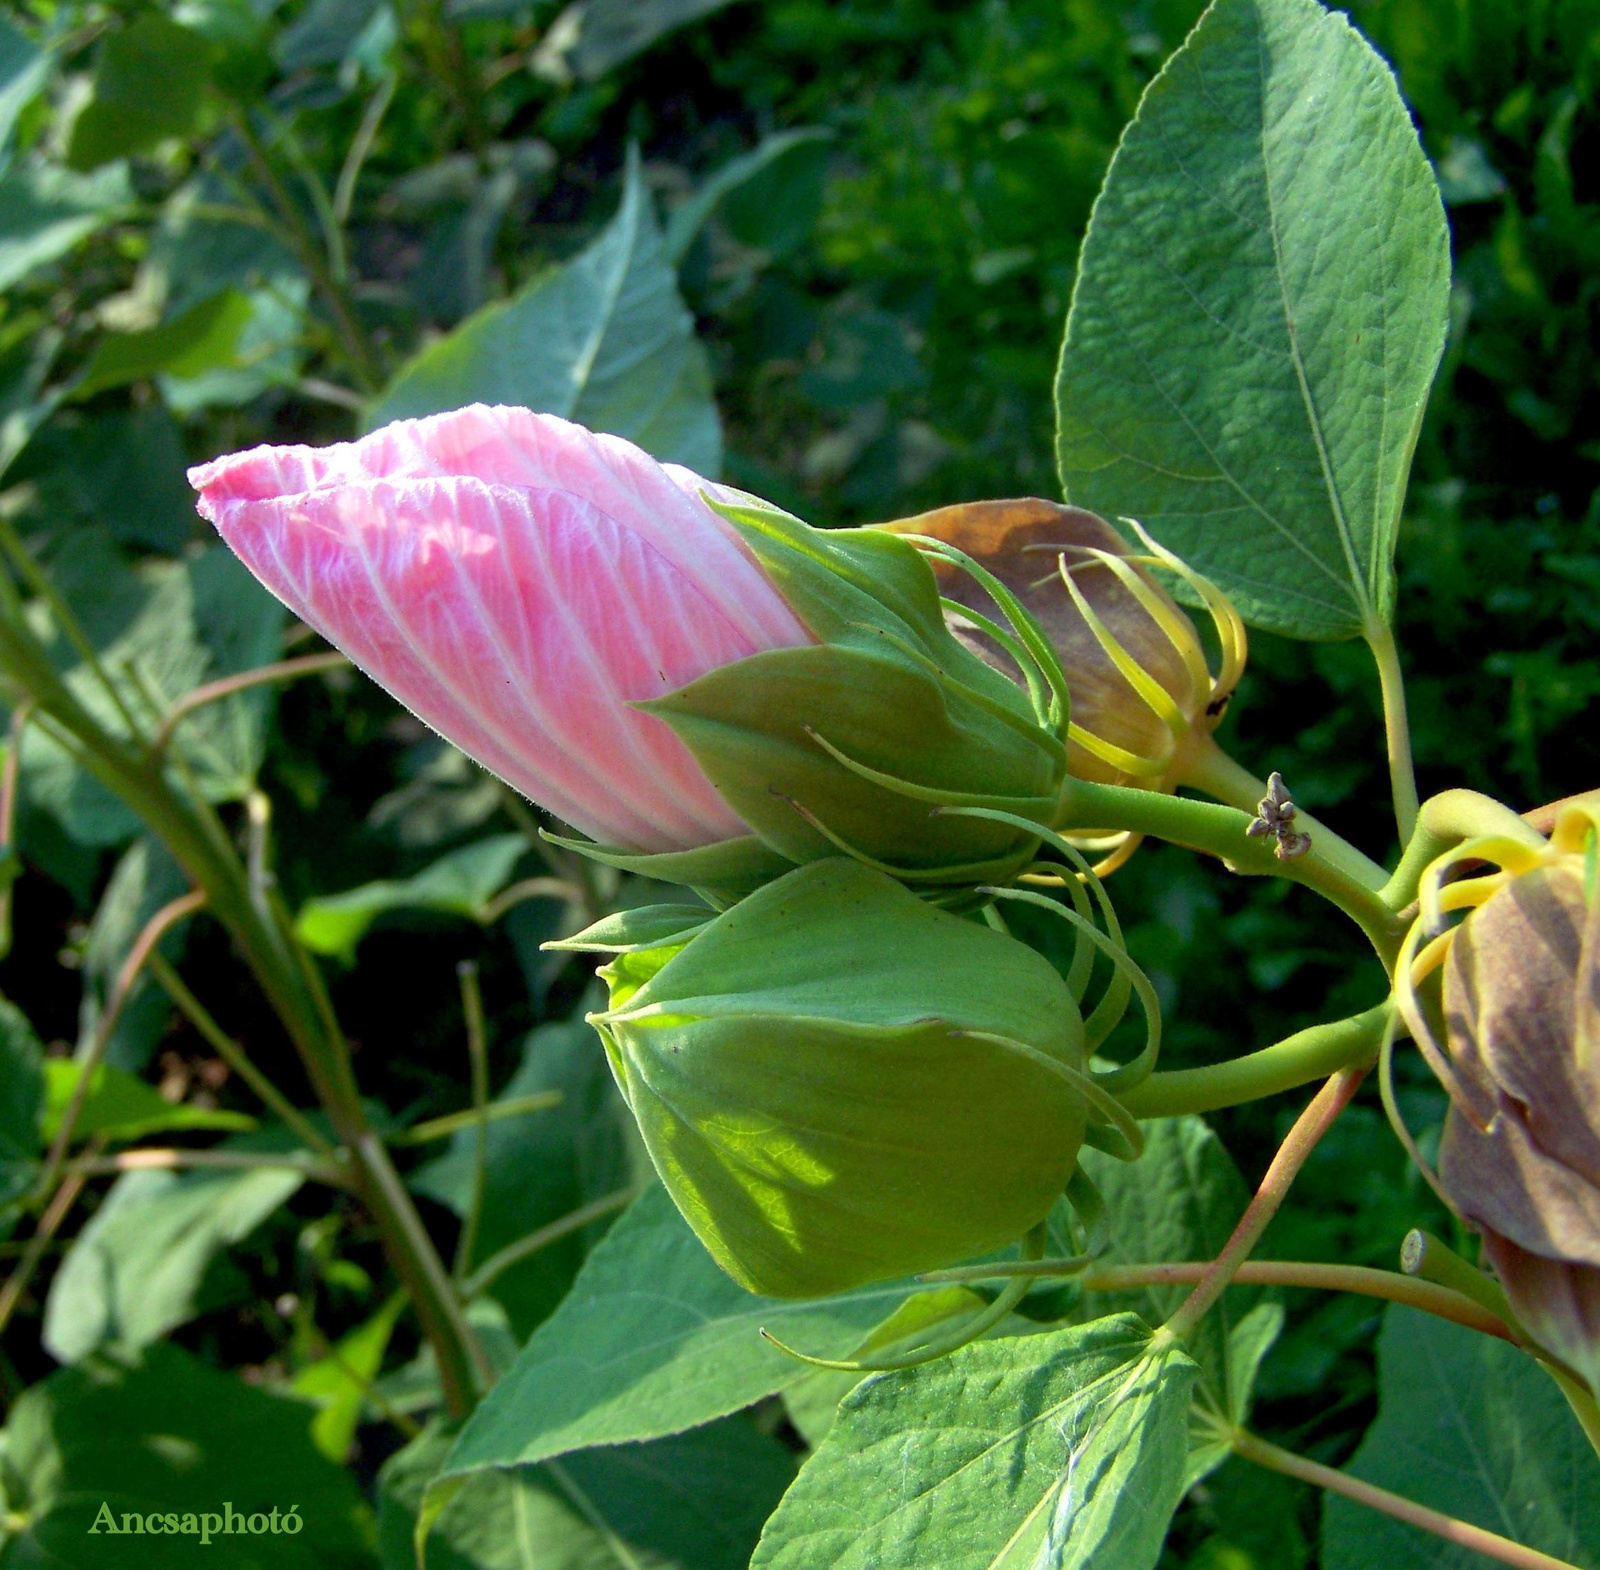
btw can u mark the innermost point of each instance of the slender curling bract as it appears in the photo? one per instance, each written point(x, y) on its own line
point(839, 1083)
point(520, 583)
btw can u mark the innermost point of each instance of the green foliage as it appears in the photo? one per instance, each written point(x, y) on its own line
point(1258, 316)
point(1058, 1450)
point(1469, 1426)
point(694, 1501)
point(45, 211)
point(120, 1105)
point(138, 1269)
point(21, 1102)
point(149, 79)
point(604, 340)
point(166, 1434)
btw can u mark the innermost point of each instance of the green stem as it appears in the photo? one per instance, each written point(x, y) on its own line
point(498, 1263)
point(1310, 1054)
point(1302, 1139)
point(1443, 822)
point(1396, 726)
point(478, 1062)
point(1462, 1533)
point(1214, 771)
point(1220, 831)
point(265, 938)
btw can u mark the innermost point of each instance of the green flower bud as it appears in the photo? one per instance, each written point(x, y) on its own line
point(839, 1083)
point(1520, 1157)
point(853, 742)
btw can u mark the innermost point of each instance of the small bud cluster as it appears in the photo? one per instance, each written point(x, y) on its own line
point(1275, 815)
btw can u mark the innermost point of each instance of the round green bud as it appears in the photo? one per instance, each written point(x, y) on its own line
point(840, 1083)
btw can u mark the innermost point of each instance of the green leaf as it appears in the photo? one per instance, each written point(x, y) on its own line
point(767, 159)
point(149, 82)
point(695, 1501)
point(28, 350)
point(1051, 1451)
point(169, 1435)
point(21, 1099)
point(1260, 308)
point(654, 1339)
point(121, 1106)
point(24, 69)
point(542, 1166)
point(338, 1383)
point(1180, 1201)
point(45, 212)
point(592, 37)
point(145, 879)
point(138, 1269)
point(459, 884)
point(266, 353)
point(202, 338)
point(603, 339)
point(1472, 1427)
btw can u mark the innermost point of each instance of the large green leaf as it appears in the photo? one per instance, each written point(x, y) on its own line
point(149, 80)
point(45, 211)
point(1472, 1427)
point(1260, 308)
point(138, 1269)
point(121, 1106)
point(1180, 1201)
point(654, 1339)
point(458, 884)
point(170, 1437)
point(201, 339)
point(604, 339)
point(542, 1166)
point(1032, 1453)
point(693, 1501)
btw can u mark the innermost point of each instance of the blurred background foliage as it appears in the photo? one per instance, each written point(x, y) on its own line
point(226, 222)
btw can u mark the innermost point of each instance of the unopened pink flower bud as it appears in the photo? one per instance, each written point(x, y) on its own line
point(520, 584)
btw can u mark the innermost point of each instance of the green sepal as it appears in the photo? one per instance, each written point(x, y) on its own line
point(754, 725)
point(840, 1083)
point(642, 927)
point(723, 872)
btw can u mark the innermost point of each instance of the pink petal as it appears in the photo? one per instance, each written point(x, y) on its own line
point(520, 623)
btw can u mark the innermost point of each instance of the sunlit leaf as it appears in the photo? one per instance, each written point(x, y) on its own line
point(1260, 308)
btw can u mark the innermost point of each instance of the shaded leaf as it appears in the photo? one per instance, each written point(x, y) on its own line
point(653, 1338)
point(1050, 1451)
point(1260, 308)
point(24, 69)
point(338, 1383)
point(21, 1100)
point(138, 1269)
point(201, 339)
point(149, 79)
point(694, 1501)
point(1473, 1427)
point(459, 884)
point(603, 339)
point(45, 212)
point(121, 1106)
point(542, 1166)
point(168, 1434)
point(768, 158)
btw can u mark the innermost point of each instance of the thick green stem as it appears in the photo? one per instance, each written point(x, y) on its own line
point(201, 847)
point(1443, 822)
point(1220, 831)
point(1302, 1139)
point(1212, 770)
point(1396, 726)
point(1308, 1055)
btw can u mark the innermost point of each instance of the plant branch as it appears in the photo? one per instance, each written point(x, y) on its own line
point(10, 774)
point(478, 1063)
point(1443, 822)
point(1396, 727)
point(212, 691)
point(61, 1203)
point(172, 1159)
point(430, 1129)
point(1310, 1054)
point(497, 1264)
point(1301, 1140)
point(1220, 831)
point(1461, 1533)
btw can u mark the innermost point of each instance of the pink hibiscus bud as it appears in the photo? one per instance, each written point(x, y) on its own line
point(519, 583)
